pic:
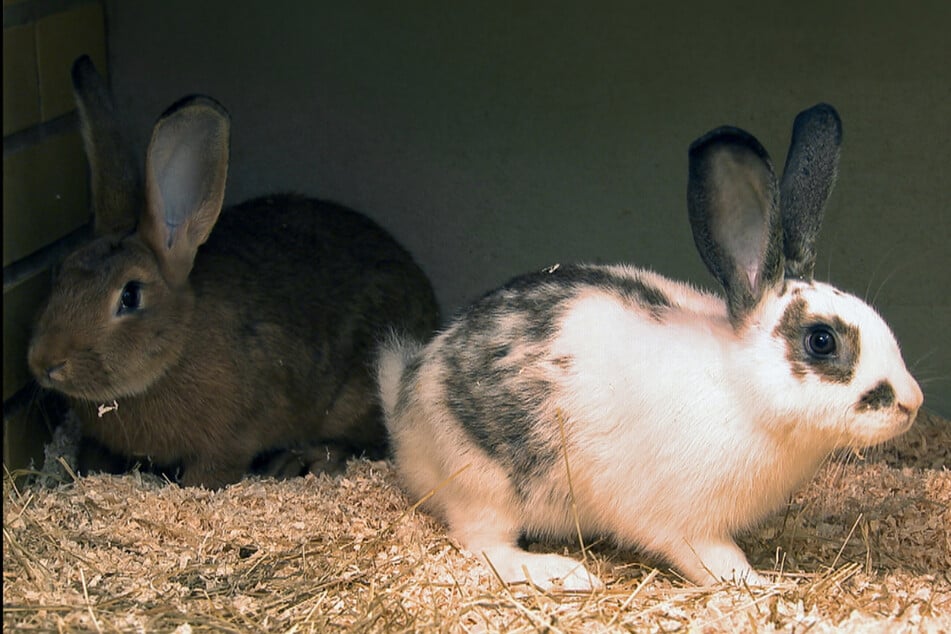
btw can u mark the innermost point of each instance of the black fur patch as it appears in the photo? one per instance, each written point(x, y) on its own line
point(794, 327)
point(496, 404)
point(630, 289)
point(498, 409)
point(879, 397)
point(507, 331)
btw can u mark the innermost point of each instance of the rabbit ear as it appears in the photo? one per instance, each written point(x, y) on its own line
point(808, 178)
point(186, 169)
point(732, 198)
point(113, 167)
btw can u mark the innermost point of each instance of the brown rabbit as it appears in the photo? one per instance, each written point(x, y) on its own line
point(218, 346)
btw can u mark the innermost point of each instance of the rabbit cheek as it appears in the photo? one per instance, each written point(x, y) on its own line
point(66, 359)
point(144, 344)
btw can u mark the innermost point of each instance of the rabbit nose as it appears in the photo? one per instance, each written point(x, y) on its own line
point(910, 402)
point(47, 372)
point(47, 357)
point(56, 372)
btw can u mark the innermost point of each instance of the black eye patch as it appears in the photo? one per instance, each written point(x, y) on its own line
point(826, 347)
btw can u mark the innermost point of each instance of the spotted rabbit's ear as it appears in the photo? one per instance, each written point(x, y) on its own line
point(113, 168)
point(733, 202)
point(808, 179)
point(186, 169)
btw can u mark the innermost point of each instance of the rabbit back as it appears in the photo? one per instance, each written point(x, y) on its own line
point(325, 284)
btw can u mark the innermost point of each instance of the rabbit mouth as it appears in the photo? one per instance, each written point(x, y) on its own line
point(73, 381)
point(74, 390)
point(891, 425)
point(906, 424)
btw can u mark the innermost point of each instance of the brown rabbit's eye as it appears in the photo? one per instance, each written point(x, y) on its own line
point(131, 297)
point(820, 342)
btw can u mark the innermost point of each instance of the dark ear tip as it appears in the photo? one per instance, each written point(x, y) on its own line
point(198, 102)
point(82, 71)
point(821, 118)
point(726, 137)
point(821, 109)
point(81, 62)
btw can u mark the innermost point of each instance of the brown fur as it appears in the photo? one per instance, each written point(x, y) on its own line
point(265, 344)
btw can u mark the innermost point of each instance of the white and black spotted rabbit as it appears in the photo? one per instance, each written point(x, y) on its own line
point(219, 346)
point(687, 416)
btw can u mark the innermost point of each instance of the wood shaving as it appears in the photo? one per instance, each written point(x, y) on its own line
point(864, 547)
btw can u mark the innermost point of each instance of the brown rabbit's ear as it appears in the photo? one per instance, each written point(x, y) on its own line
point(113, 167)
point(186, 168)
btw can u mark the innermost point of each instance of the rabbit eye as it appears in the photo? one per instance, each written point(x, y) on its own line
point(821, 342)
point(131, 297)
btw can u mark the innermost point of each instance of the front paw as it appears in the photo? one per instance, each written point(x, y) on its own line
point(329, 458)
point(748, 577)
point(545, 572)
point(712, 561)
point(211, 476)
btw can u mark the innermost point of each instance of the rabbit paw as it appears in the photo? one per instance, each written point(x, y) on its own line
point(545, 572)
point(712, 561)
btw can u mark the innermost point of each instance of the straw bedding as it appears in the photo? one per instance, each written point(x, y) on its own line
point(865, 547)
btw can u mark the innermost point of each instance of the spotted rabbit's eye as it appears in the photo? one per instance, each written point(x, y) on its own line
point(821, 342)
point(131, 298)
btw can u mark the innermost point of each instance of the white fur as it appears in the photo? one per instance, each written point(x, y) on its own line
point(683, 417)
point(679, 433)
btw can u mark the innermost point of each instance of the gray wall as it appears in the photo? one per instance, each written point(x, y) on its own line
point(494, 138)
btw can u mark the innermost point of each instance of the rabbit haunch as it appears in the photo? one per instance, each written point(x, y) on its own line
point(684, 416)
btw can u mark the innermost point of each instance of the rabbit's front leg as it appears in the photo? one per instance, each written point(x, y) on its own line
point(545, 571)
point(709, 560)
point(212, 474)
point(491, 534)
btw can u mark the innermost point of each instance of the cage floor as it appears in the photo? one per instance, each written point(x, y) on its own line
point(865, 546)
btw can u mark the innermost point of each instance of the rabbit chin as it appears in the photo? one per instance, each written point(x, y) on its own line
point(872, 428)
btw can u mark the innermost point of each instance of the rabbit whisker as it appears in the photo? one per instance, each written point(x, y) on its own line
point(875, 272)
point(924, 357)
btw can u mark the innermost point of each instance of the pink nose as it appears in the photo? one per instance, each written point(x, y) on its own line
point(911, 398)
